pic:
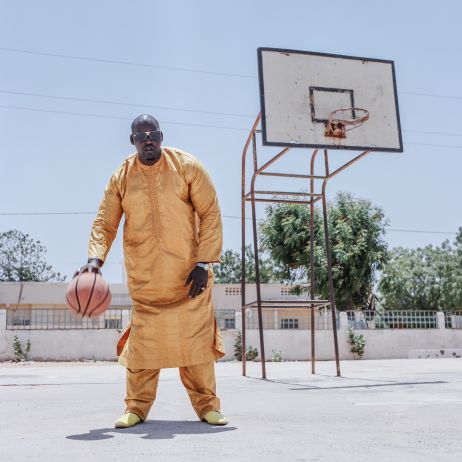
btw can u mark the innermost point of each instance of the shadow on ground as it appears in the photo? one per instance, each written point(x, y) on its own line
point(154, 430)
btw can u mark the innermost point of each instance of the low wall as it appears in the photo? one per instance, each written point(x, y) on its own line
point(62, 345)
point(294, 344)
point(380, 344)
point(76, 344)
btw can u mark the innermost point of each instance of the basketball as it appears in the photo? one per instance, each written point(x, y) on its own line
point(88, 295)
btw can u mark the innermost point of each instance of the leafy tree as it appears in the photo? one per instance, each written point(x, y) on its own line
point(229, 270)
point(23, 259)
point(424, 278)
point(356, 230)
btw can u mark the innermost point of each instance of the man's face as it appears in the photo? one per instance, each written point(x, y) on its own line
point(148, 149)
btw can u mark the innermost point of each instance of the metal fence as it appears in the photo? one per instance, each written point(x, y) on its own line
point(280, 318)
point(453, 319)
point(392, 319)
point(61, 318)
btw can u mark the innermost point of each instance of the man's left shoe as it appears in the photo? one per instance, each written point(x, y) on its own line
point(215, 418)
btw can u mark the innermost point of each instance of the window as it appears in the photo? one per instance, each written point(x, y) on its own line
point(18, 318)
point(113, 323)
point(21, 322)
point(230, 323)
point(286, 291)
point(232, 290)
point(289, 323)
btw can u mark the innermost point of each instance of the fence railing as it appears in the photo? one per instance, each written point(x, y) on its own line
point(392, 319)
point(453, 319)
point(61, 318)
point(286, 318)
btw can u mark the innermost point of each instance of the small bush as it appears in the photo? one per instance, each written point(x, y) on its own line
point(276, 356)
point(19, 354)
point(357, 343)
point(251, 353)
point(238, 345)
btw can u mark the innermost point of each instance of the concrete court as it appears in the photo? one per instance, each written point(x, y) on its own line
point(405, 410)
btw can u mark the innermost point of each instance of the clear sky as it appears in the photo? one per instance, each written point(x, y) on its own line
point(74, 75)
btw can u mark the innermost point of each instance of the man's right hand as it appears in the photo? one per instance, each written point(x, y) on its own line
point(93, 266)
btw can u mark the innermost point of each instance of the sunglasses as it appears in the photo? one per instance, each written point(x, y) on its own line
point(155, 135)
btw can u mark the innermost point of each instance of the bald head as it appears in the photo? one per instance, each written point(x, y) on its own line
point(147, 138)
point(145, 123)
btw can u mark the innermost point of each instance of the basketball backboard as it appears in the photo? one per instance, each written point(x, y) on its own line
point(304, 94)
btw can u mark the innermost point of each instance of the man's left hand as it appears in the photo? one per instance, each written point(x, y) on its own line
point(198, 278)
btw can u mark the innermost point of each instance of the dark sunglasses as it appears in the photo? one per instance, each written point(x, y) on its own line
point(143, 136)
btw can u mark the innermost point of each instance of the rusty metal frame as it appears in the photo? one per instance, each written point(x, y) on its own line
point(310, 198)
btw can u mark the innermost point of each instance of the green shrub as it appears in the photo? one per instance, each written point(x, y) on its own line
point(276, 356)
point(19, 354)
point(357, 343)
point(251, 353)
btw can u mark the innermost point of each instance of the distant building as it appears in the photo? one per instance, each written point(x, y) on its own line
point(39, 305)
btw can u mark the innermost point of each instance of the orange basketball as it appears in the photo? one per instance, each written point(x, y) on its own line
point(88, 294)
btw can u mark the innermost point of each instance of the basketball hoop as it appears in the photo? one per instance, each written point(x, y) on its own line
point(339, 119)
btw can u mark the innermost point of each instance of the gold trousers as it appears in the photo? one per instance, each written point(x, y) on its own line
point(198, 380)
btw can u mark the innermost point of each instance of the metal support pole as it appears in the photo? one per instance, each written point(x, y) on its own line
point(254, 152)
point(257, 278)
point(250, 138)
point(329, 265)
point(312, 275)
point(243, 301)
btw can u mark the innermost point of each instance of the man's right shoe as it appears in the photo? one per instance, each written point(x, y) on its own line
point(127, 420)
point(215, 418)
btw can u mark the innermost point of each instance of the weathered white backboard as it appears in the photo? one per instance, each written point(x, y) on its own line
point(299, 89)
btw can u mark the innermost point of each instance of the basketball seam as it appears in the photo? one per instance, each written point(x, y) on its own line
point(91, 294)
point(77, 294)
point(100, 303)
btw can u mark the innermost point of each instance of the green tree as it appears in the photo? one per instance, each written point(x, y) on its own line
point(23, 259)
point(428, 278)
point(229, 270)
point(356, 229)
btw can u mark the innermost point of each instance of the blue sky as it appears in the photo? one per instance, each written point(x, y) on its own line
point(185, 62)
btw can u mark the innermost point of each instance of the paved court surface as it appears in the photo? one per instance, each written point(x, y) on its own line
point(405, 410)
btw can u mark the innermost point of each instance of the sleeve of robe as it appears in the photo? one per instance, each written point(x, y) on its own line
point(205, 202)
point(104, 229)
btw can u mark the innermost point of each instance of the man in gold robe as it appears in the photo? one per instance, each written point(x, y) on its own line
point(172, 233)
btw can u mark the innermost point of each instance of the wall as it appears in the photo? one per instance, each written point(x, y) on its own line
point(73, 344)
point(380, 344)
point(100, 344)
point(62, 345)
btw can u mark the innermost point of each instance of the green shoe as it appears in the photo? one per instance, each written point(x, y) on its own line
point(127, 420)
point(215, 418)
